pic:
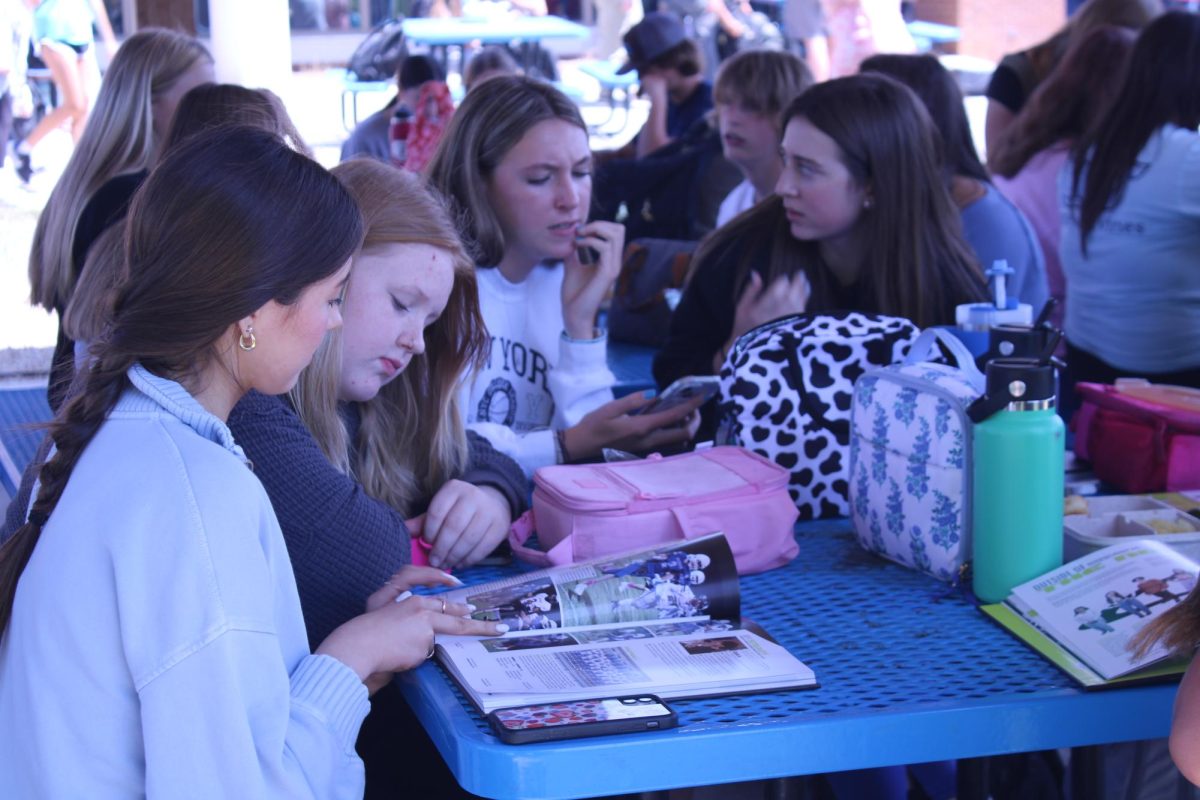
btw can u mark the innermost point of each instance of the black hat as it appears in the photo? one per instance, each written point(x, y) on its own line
point(654, 35)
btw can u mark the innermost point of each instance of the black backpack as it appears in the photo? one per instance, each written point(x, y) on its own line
point(379, 55)
point(673, 193)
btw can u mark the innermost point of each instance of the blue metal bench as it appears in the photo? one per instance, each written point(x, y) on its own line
point(21, 409)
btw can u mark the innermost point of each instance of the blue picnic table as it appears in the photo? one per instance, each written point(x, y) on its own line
point(909, 673)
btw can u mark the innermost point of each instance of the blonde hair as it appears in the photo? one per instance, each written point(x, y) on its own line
point(491, 121)
point(411, 438)
point(763, 81)
point(118, 139)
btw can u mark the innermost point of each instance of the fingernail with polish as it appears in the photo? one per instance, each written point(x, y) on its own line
point(501, 628)
point(400, 598)
point(456, 581)
point(470, 606)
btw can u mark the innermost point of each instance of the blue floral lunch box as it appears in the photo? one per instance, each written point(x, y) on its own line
point(910, 457)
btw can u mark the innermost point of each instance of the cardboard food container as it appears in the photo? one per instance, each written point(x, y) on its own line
point(1110, 520)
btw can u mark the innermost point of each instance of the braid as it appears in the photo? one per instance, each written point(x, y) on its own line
point(71, 432)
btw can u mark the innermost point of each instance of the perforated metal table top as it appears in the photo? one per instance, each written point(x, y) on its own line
point(905, 678)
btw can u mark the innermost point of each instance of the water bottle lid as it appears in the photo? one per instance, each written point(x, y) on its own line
point(1016, 384)
point(1021, 380)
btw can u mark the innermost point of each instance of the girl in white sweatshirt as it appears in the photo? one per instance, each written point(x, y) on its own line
point(516, 166)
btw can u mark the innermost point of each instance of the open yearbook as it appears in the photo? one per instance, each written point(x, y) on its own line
point(665, 621)
point(1083, 615)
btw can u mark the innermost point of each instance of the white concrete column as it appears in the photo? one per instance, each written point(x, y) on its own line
point(252, 43)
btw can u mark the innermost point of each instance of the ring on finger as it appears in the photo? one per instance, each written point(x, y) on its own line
point(432, 648)
point(443, 605)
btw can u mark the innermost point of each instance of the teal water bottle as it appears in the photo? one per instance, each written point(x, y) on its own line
point(1017, 524)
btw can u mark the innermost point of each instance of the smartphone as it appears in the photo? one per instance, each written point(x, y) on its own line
point(574, 719)
point(587, 255)
point(681, 391)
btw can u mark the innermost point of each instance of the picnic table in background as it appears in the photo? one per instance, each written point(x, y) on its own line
point(441, 33)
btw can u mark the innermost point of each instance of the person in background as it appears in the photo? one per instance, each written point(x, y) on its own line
point(861, 220)
point(993, 227)
point(516, 168)
point(370, 137)
point(149, 74)
point(752, 90)
point(367, 460)
point(207, 106)
point(88, 316)
point(859, 29)
point(431, 117)
point(805, 26)
point(16, 26)
point(62, 30)
point(1018, 74)
point(1130, 206)
point(488, 63)
point(670, 73)
point(1030, 152)
point(187, 670)
point(614, 18)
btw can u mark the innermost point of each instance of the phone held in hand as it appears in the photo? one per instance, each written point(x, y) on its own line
point(572, 719)
point(682, 391)
point(587, 255)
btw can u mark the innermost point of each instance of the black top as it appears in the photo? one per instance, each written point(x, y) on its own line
point(106, 207)
point(703, 320)
point(683, 116)
point(1005, 87)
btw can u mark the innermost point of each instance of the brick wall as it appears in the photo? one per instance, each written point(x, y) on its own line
point(991, 28)
point(174, 14)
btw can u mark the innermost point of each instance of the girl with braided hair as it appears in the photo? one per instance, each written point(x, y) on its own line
point(152, 638)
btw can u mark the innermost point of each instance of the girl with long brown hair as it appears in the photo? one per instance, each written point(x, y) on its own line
point(176, 661)
point(1030, 153)
point(516, 167)
point(1019, 74)
point(149, 74)
point(861, 221)
point(1131, 219)
point(992, 226)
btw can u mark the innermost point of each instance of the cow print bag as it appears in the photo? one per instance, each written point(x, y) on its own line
point(785, 394)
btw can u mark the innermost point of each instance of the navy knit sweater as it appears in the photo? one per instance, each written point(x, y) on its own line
point(343, 543)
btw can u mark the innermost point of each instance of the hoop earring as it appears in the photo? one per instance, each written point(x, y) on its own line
point(247, 345)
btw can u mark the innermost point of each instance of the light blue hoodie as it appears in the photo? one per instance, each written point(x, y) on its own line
point(156, 645)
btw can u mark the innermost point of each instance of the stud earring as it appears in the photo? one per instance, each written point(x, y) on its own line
point(247, 341)
point(867, 203)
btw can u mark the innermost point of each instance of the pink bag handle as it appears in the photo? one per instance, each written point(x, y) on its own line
point(522, 528)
